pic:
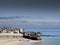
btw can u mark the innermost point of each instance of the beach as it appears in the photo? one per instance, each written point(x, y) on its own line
point(9, 42)
point(13, 39)
point(10, 39)
point(15, 36)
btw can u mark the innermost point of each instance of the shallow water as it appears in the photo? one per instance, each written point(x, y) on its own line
point(46, 40)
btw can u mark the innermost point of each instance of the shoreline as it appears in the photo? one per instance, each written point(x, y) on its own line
point(13, 39)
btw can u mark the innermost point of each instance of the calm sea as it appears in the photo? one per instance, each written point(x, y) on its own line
point(46, 40)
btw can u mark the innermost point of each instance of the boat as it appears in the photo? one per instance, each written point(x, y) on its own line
point(32, 35)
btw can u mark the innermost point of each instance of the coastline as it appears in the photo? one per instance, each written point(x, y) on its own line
point(10, 39)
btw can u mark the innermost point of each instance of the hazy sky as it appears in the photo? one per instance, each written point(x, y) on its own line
point(30, 12)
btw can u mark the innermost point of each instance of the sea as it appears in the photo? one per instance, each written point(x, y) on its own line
point(45, 40)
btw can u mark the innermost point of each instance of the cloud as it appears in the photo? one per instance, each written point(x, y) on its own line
point(13, 17)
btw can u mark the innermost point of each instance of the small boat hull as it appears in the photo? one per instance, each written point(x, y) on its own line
point(31, 36)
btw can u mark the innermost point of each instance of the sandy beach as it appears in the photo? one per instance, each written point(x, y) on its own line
point(9, 42)
point(9, 39)
point(13, 39)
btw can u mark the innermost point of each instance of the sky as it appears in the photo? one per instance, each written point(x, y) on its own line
point(30, 13)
